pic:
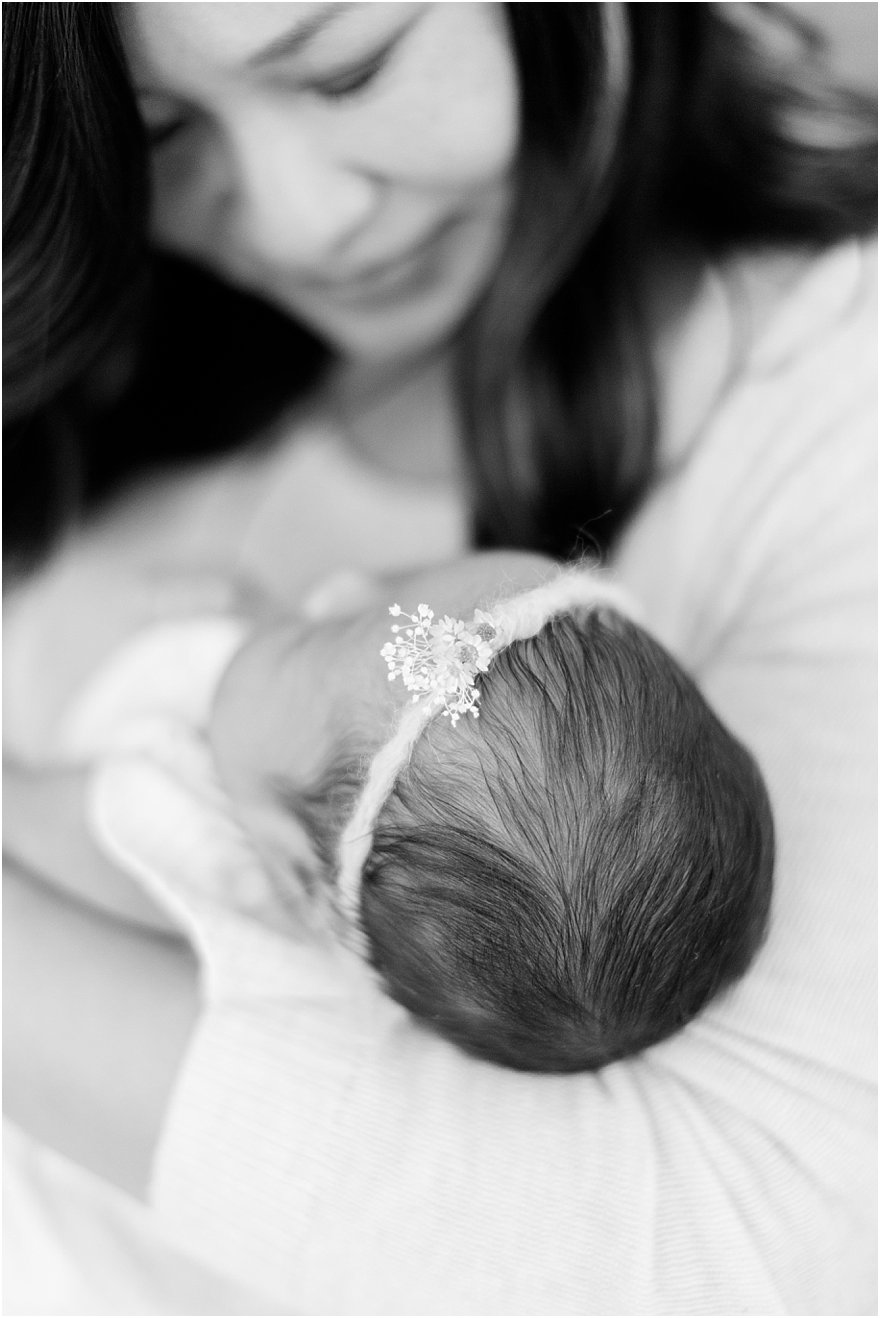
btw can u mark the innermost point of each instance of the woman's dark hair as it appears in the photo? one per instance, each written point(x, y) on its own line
point(74, 242)
point(640, 125)
point(681, 127)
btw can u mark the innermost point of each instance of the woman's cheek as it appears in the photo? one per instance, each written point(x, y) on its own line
point(187, 198)
point(177, 215)
point(453, 118)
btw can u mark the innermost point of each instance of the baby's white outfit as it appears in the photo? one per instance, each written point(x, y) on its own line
point(148, 707)
point(156, 806)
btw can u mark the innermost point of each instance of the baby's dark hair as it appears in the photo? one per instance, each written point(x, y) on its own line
point(573, 876)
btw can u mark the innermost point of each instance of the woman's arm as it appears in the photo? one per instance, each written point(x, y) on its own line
point(96, 1019)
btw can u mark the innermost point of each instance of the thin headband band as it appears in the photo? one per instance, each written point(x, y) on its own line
point(518, 618)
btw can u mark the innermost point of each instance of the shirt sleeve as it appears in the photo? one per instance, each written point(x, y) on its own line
point(170, 670)
point(351, 1162)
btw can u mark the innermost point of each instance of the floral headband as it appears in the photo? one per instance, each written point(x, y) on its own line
point(439, 662)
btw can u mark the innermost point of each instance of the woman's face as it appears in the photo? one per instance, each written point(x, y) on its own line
point(349, 163)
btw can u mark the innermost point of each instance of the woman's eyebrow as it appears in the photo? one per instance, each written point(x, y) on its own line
point(293, 41)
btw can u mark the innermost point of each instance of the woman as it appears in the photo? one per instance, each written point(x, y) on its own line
point(507, 249)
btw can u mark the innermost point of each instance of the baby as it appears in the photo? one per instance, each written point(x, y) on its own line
point(537, 832)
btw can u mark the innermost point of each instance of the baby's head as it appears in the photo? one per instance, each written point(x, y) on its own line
point(568, 878)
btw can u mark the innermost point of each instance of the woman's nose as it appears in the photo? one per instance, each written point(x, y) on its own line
point(295, 202)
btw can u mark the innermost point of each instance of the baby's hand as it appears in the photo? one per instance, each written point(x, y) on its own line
point(339, 595)
point(179, 593)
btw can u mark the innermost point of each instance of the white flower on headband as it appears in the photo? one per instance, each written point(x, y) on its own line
point(440, 660)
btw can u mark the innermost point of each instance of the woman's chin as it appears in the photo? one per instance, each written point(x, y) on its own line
point(376, 336)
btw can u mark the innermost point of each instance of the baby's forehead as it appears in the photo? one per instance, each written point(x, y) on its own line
point(344, 692)
point(342, 689)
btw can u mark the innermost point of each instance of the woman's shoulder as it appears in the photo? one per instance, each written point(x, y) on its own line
point(761, 524)
point(758, 319)
point(785, 301)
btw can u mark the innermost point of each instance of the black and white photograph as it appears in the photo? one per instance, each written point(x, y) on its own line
point(440, 658)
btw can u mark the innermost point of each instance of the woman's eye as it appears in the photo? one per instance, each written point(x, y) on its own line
point(159, 134)
point(351, 81)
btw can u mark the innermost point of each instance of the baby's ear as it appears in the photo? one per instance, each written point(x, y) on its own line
point(283, 844)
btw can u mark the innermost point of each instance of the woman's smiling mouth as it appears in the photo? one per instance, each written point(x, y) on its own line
point(410, 270)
